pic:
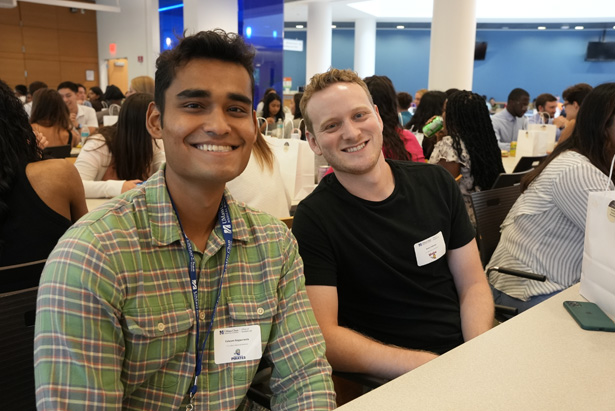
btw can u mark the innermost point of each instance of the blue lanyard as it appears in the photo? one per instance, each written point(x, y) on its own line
point(224, 216)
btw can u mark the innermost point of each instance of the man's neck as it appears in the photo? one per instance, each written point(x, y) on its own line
point(375, 185)
point(197, 208)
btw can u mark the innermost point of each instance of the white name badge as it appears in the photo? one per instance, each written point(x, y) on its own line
point(237, 344)
point(430, 249)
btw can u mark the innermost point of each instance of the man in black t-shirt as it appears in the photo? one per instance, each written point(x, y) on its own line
point(391, 264)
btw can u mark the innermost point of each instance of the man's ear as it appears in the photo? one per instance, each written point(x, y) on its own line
point(153, 121)
point(311, 139)
point(379, 118)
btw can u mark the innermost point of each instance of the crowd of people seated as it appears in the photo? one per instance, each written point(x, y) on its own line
point(381, 264)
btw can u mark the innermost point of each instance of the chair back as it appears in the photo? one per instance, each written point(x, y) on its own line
point(490, 210)
point(508, 179)
point(528, 163)
point(57, 151)
point(17, 313)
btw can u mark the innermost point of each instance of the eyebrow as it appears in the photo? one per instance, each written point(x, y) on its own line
point(199, 93)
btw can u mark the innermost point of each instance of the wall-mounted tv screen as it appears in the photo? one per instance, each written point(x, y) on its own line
point(480, 50)
point(600, 51)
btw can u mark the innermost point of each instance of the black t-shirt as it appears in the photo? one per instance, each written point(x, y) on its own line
point(367, 250)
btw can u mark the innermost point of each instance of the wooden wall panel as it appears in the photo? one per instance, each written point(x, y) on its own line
point(12, 70)
point(75, 72)
point(38, 15)
point(78, 45)
point(85, 22)
point(11, 39)
point(10, 16)
point(47, 71)
point(40, 41)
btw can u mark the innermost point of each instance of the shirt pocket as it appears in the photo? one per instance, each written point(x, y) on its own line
point(248, 310)
point(156, 345)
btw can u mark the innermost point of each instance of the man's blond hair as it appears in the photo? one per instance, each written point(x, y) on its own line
point(321, 81)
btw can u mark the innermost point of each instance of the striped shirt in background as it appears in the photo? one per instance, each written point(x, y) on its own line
point(115, 316)
point(544, 231)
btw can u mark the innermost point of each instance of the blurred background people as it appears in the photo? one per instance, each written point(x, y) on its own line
point(120, 156)
point(21, 91)
point(297, 115)
point(469, 149)
point(82, 97)
point(544, 231)
point(272, 112)
point(95, 97)
point(80, 116)
point(51, 118)
point(404, 101)
point(432, 104)
point(39, 199)
point(32, 88)
point(141, 84)
point(573, 97)
point(397, 144)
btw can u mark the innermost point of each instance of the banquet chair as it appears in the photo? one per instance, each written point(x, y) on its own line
point(17, 313)
point(490, 210)
point(508, 179)
point(528, 163)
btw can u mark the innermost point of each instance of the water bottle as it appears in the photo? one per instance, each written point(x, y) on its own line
point(280, 129)
point(85, 133)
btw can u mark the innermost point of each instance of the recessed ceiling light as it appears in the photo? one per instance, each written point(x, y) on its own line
point(400, 27)
point(542, 28)
point(566, 27)
point(333, 26)
point(299, 26)
point(578, 27)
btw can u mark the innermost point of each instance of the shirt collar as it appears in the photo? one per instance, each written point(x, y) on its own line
point(163, 221)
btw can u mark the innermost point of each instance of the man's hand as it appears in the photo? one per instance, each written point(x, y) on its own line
point(560, 122)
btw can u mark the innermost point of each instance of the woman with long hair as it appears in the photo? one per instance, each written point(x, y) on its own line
point(544, 231)
point(432, 104)
point(141, 84)
point(272, 112)
point(297, 115)
point(39, 199)
point(397, 144)
point(95, 96)
point(51, 117)
point(120, 156)
point(470, 149)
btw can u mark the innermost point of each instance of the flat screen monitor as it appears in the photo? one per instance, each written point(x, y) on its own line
point(480, 50)
point(600, 51)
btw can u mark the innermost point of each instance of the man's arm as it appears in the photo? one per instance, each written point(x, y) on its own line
point(475, 297)
point(350, 351)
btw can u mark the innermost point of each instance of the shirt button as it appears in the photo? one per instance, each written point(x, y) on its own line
point(260, 311)
point(202, 316)
point(160, 327)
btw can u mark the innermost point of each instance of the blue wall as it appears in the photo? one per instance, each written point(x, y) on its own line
point(538, 61)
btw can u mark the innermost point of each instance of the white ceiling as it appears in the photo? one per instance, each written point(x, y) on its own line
point(488, 11)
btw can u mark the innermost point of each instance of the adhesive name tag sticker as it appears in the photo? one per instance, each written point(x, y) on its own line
point(237, 344)
point(430, 249)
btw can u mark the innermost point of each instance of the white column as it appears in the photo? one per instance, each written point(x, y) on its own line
point(318, 43)
point(365, 47)
point(210, 14)
point(451, 52)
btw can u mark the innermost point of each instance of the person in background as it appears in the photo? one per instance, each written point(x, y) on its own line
point(260, 185)
point(272, 112)
point(398, 144)
point(50, 117)
point(297, 116)
point(433, 105)
point(261, 104)
point(141, 84)
point(120, 156)
point(544, 231)
point(546, 108)
point(82, 97)
point(573, 97)
point(418, 96)
point(391, 264)
point(469, 148)
point(95, 96)
point(32, 88)
point(113, 95)
point(80, 116)
point(135, 282)
point(507, 123)
point(404, 101)
point(39, 199)
point(21, 91)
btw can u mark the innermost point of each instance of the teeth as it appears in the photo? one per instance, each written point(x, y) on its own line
point(212, 147)
point(353, 149)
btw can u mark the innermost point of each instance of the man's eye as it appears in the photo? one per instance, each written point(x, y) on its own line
point(192, 105)
point(237, 110)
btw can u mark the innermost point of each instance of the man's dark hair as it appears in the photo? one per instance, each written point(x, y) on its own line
point(113, 93)
point(215, 44)
point(69, 85)
point(404, 100)
point(21, 89)
point(576, 93)
point(517, 93)
point(79, 85)
point(36, 85)
point(543, 99)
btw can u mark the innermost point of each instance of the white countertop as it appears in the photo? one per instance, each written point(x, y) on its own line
point(539, 360)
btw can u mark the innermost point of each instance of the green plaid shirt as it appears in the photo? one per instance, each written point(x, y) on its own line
point(115, 312)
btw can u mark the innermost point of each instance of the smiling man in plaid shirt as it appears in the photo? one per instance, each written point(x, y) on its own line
point(168, 296)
